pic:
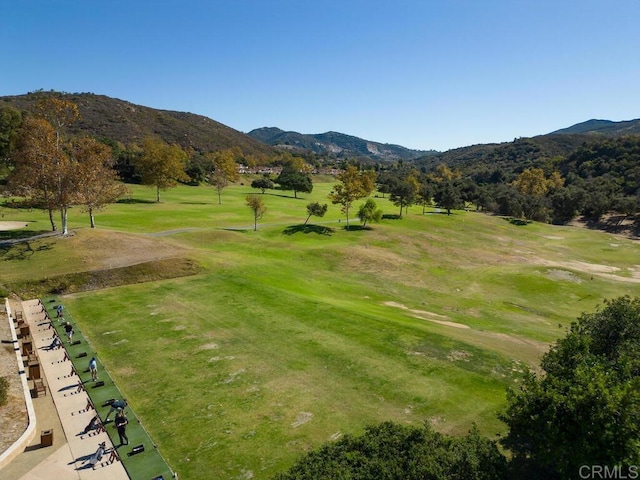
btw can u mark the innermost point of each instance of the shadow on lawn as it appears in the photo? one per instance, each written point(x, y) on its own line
point(134, 200)
point(20, 234)
point(319, 229)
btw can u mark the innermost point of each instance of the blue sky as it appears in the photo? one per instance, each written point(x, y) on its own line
point(419, 73)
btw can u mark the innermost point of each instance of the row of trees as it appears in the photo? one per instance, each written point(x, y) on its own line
point(54, 173)
point(578, 418)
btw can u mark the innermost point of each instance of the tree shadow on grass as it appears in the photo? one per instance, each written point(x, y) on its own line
point(518, 222)
point(22, 250)
point(319, 229)
point(391, 216)
point(355, 228)
point(19, 234)
point(135, 200)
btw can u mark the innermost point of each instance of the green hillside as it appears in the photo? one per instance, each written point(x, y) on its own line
point(121, 121)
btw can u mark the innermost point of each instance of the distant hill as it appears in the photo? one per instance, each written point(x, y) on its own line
point(336, 145)
point(525, 152)
point(110, 118)
point(602, 127)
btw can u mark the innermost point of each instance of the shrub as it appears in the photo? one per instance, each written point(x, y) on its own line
point(4, 387)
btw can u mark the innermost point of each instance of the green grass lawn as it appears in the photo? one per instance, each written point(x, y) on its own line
point(289, 338)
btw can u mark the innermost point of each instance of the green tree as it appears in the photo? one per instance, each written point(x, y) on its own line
point(369, 212)
point(290, 179)
point(161, 165)
point(391, 451)
point(585, 408)
point(353, 186)
point(225, 170)
point(316, 210)
point(403, 190)
point(257, 206)
point(263, 184)
point(448, 196)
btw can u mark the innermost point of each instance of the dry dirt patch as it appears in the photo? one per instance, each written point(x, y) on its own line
point(430, 316)
point(107, 249)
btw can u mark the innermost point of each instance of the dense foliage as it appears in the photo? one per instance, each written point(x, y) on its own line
point(585, 408)
point(390, 451)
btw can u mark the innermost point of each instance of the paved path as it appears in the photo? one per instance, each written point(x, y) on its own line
point(69, 460)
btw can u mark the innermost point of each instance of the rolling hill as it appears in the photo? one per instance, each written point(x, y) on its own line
point(602, 127)
point(121, 121)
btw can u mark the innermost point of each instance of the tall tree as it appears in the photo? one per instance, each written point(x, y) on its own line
point(257, 206)
point(97, 182)
point(225, 170)
point(585, 408)
point(34, 176)
point(353, 186)
point(161, 165)
point(44, 173)
point(402, 190)
point(448, 195)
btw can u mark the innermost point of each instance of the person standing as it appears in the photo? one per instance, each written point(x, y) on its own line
point(69, 329)
point(120, 423)
point(93, 368)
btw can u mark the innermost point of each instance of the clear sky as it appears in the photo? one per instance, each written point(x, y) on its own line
point(425, 74)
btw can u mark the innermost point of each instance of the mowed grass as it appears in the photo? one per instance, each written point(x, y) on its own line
point(290, 339)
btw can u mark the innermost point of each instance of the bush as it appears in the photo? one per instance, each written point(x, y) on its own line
point(4, 387)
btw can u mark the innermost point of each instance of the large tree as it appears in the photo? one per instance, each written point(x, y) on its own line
point(403, 189)
point(44, 174)
point(448, 195)
point(97, 182)
point(292, 179)
point(225, 170)
point(353, 186)
point(161, 165)
point(584, 407)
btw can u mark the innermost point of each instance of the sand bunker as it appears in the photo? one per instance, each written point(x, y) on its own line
point(4, 226)
point(430, 316)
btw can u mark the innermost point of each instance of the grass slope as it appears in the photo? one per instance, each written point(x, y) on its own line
point(287, 339)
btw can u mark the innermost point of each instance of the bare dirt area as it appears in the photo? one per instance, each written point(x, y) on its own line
point(108, 249)
point(13, 415)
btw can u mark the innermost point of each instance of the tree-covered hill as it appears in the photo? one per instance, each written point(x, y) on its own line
point(518, 155)
point(603, 127)
point(124, 122)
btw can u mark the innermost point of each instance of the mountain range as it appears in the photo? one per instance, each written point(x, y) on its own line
point(116, 120)
point(335, 144)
